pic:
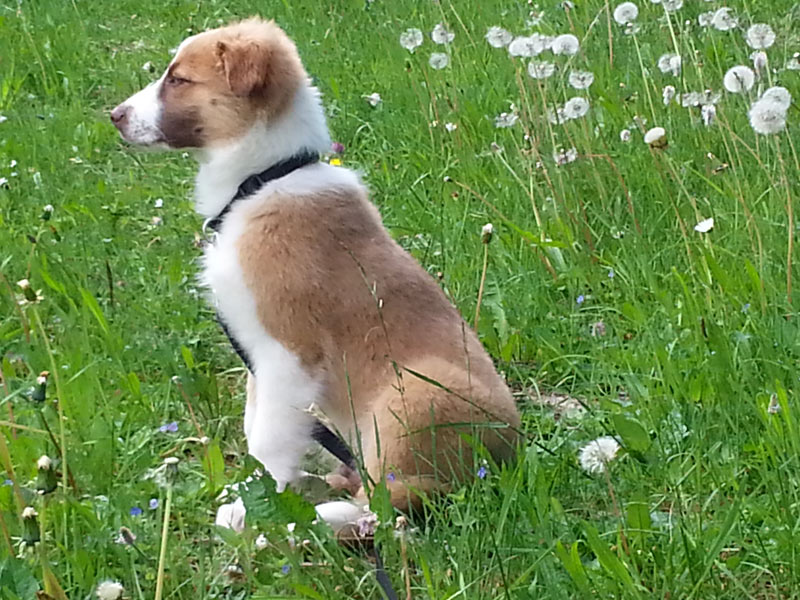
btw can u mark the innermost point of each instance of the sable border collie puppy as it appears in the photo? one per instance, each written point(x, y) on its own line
point(325, 307)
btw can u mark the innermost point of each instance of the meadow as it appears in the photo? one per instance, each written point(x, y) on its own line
point(639, 292)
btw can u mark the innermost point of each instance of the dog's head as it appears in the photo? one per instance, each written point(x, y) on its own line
point(219, 85)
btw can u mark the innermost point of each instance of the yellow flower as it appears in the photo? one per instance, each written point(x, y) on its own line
point(336, 162)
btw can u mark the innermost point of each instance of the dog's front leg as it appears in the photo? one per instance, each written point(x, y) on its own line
point(277, 426)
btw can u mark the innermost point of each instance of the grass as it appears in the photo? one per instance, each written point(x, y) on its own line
point(597, 286)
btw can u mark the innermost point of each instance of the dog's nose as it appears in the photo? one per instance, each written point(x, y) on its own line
point(119, 115)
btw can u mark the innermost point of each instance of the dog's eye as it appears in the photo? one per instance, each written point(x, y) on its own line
point(175, 81)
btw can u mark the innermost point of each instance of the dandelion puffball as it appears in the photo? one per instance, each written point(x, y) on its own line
point(626, 13)
point(565, 44)
point(723, 19)
point(439, 60)
point(506, 119)
point(539, 69)
point(760, 36)
point(672, 5)
point(528, 46)
point(498, 37)
point(739, 79)
point(581, 80)
point(779, 95)
point(576, 107)
point(440, 35)
point(656, 137)
point(767, 117)
point(595, 456)
point(668, 94)
point(670, 63)
point(109, 590)
point(411, 39)
point(625, 135)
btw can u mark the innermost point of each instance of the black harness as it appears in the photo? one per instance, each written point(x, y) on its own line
point(321, 434)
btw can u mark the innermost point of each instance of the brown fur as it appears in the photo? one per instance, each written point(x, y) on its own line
point(335, 289)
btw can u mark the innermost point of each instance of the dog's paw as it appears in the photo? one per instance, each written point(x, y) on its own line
point(231, 516)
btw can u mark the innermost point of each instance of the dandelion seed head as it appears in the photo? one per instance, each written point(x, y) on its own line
point(595, 456)
point(767, 117)
point(581, 80)
point(759, 58)
point(760, 36)
point(723, 19)
point(411, 39)
point(558, 116)
point(540, 69)
point(708, 112)
point(670, 63)
point(625, 13)
point(705, 19)
point(565, 44)
point(439, 60)
point(576, 107)
point(779, 95)
point(690, 99)
point(739, 79)
point(440, 35)
point(498, 37)
point(672, 5)
point(668, 94)
point(564, 157)
point(506, 119)
point(109, 590)
point(655, 137)
point(529, 46)
point(625, 135)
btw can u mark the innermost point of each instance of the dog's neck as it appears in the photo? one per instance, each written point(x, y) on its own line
point(224, 168)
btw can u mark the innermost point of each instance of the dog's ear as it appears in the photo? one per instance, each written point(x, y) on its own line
point(246, 65)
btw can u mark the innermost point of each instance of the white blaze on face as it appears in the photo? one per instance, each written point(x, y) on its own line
point(144, 110)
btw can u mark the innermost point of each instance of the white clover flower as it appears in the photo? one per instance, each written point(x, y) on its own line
point(565, 44)
point(506, 119)
point(411, 39)
point(625, 135)
point(723, 19)
point(708, 113)
point(767, 117)
point(3, 181)
point(109, 590)
point(439, 60)
point(373, 99)
point(563, 157)
point(739, 79)
point(705, 19)
point(261, 542)
point(779, 95)
point(668, 94)
point(440, 35)
point(44, 462)
point(581, 80)
point(625, 13)
point(705, 225)
point(655, 137)
point(159, 203)
point(759, 58)
point(498, 37)
point(672, 5)
point(3, 118)
point(450, 126)
point(670, 63)
point(540, 69)
point(760, 36)
point(595, 456)
point(576, 107)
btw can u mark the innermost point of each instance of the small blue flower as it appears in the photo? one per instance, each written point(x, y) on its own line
point(8, 482)
point(579, 300)
point(390, 477)
point(153, 504)
point(611, 273)
point(746, 307)
point(169, 427)
point(285, 569)
point(135, 511)
point(482, 472)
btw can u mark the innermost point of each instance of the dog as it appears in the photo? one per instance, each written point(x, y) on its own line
point(323, 305)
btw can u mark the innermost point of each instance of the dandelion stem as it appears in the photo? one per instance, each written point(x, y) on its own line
point(480, 288)
point(163, 553)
